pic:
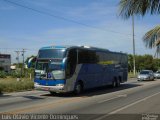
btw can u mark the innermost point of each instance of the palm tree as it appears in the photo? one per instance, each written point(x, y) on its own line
point(129, 8)
point(139, 7)
point(152, 38)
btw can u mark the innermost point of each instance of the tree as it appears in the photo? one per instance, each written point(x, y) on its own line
point(130, 62)
point(152, 38)
point(140, 7)
point(143, 62)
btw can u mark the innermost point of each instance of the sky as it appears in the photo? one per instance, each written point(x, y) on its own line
point(32, 24)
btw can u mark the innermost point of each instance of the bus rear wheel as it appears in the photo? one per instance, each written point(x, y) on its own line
point(78, 88)
point(118, 83)
point(114, 83)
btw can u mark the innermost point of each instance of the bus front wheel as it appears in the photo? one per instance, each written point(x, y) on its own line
point(78, 88)
point(52, 93)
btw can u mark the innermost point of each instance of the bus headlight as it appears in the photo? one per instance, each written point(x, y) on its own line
point(36, 83)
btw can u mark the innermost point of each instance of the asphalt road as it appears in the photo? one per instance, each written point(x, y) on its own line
point(134, 100)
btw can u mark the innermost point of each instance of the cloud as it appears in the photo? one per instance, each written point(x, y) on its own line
point(106, 29)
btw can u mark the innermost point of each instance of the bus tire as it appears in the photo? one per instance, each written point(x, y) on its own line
point(52, 93)
point(78, 88)
point(113, 84)
point(118, 83)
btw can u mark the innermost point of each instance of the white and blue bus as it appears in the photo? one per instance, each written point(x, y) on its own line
point(76, 68)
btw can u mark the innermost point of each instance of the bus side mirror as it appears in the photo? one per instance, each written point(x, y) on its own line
point(31, 62)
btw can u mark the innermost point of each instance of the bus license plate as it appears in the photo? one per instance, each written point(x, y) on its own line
point(46, 89)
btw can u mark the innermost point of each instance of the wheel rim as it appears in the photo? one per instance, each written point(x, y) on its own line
point(114, 84)
point(78, 88)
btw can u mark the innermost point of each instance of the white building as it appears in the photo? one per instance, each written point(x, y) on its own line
point(5, 62)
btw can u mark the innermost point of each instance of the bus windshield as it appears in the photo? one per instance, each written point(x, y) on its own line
point(55, 66)
point(49, 69)
point(42, 65)
point(51, 53)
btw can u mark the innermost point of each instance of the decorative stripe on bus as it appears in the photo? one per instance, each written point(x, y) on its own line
point(47, 82)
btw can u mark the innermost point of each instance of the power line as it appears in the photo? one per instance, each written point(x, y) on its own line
point(63, 18)
point(29, 49)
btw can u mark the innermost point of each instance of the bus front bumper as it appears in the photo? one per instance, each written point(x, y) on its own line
point(57, 88)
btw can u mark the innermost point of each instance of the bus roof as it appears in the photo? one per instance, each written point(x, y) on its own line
point(53, 47)
point(66, 47)
point(82, 47)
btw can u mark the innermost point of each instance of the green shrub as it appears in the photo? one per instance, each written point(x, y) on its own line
point(16, 74)
point(3, 74)
point(2, 87)
point(11, 85)
point(28, 72)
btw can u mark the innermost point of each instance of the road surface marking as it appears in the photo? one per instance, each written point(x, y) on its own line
point(45, 106)
point(122, 95)
point(118, 96)
point(127, 106)
point(122, 108)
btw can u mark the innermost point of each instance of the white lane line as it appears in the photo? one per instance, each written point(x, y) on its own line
point(127, 106)
point(118, 96)
point(122, 95)
point(107, 100)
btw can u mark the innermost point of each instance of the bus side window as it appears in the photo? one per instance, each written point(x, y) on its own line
point(87, 57)
point(71, 63)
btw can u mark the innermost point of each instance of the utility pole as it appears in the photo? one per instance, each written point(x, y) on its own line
point(134, 61)
point(23, 51)
point(17, 58)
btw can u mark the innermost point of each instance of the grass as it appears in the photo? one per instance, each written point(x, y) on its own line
point(12, 85)
point(131, 75)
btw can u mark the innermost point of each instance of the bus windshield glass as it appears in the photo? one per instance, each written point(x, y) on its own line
point(42, 65)
point(55, 66)
point(49, 69)
point(51, 53)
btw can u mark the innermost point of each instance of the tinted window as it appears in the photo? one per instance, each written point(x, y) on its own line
point(71, 62)
point(87, 56)
point(112, 58)
point(51, 53)
point(100, 57)
point(106, 58)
